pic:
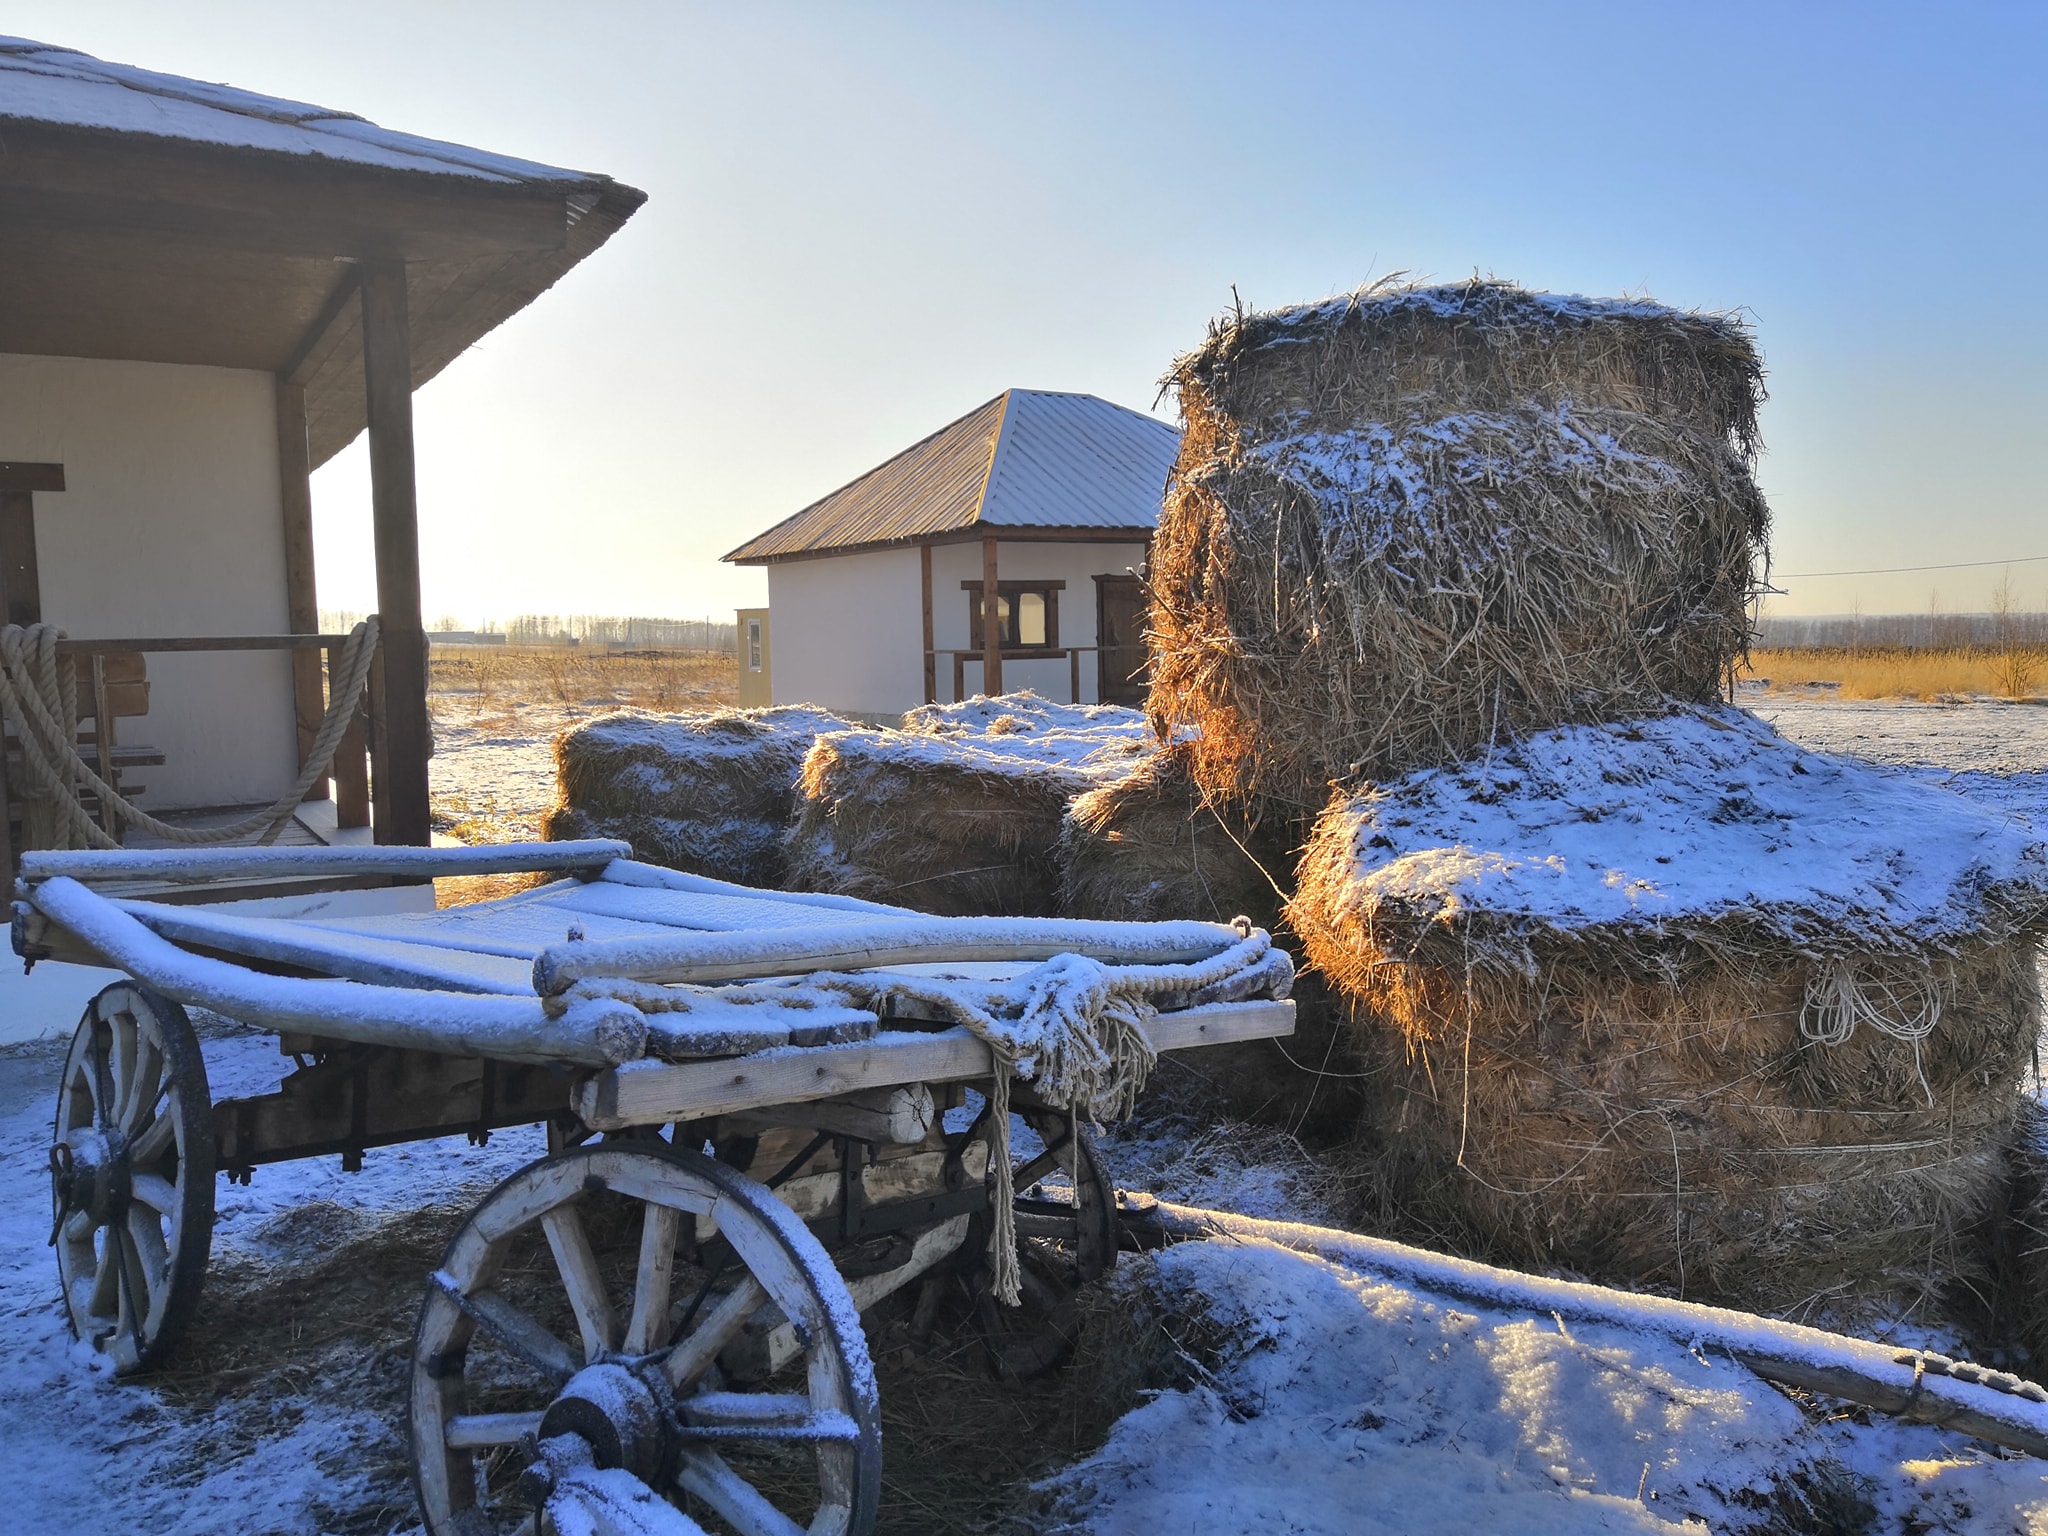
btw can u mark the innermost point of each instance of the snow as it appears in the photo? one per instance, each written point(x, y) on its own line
point(1376, 486)
point(1338, 1400)
point(1695, 815)
point(1018, 733)
point(1480, 298)
point(50, 84)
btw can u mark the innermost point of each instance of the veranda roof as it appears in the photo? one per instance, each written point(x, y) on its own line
point(161, 219)
point(1029, 463)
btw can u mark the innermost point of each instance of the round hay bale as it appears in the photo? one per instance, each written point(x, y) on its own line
point(1151, 846)
point(707, 793)
point(1676, 1002)
point(1413, 522)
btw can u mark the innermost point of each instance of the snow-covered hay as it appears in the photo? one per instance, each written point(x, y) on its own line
point(1416, 520)
point(959, 813)
point(1677, 1001)
point(707, 793)
point(1152, 846)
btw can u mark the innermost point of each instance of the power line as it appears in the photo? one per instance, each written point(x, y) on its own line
point(1895, 570)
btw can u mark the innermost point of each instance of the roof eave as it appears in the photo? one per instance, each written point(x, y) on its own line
point(1005, 533)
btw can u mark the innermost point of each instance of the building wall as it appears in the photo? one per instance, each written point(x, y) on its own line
point(170, 525)
point(849, 628)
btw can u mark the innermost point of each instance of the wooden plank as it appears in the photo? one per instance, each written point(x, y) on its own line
point(357, 957)
point(301, 600)
point(991, 623)
point(193, 866)
point(195, 643)
point(401, 788)
point(647, 1093)
point(931, 660)
point(21, 597)
point(20, 475)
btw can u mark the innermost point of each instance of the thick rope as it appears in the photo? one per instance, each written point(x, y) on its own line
point(39, 692)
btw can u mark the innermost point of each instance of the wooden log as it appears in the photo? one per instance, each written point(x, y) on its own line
point(648, 1093)
point(1880, 1376)
point(198, 865)
point(401, 789)
point(991, 622)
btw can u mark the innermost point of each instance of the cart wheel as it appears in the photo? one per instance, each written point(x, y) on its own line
point(131, 1164)
point(1063, 1243)
point(731, 1380)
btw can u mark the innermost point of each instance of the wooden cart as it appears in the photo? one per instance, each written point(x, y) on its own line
point(765, 1117)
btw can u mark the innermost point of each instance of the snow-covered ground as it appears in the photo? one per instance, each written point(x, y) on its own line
point(1320, 1398)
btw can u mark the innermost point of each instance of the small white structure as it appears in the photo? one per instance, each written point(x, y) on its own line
point(1048, 501)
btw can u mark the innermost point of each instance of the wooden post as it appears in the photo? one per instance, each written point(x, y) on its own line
point(931, 660)
point(301, 600)
point(400, 786)
point(991, 623)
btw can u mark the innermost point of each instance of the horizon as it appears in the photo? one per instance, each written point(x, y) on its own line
point(863, 223)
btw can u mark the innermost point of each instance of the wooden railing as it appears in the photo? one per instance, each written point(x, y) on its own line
point(1072, 653)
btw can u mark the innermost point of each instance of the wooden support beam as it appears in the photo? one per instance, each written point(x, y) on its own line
point(991, 622)
point(301, 598)
point(401, 788)
point(17, 475)
point(931, 660)
point(21, 597)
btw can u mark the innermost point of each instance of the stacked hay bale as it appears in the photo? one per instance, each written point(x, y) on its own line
point(708, 793)
point(1678, 1001)
point(1417, 520)
point(1151, 846)
point(959, 812)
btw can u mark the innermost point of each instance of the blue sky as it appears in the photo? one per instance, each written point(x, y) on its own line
point(865, 220)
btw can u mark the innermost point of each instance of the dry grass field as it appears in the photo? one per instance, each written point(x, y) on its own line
point(498, 709)
point(2015, 672)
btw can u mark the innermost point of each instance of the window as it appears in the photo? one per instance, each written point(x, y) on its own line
point(1027, 614)
point(753, 645)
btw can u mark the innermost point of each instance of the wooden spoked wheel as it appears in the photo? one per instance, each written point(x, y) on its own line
point(131, 1175)
point(1066, 1237)
point(675, 1319)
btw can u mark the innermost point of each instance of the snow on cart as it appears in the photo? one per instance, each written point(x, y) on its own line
point(766, 1113)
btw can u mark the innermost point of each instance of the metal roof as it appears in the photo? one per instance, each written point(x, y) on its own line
point(49, 84)
point(1029, 458)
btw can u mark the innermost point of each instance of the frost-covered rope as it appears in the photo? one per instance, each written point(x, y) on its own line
point(1838, 999)
point(39, 692)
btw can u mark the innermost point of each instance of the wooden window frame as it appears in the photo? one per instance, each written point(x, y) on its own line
point(1049, 590)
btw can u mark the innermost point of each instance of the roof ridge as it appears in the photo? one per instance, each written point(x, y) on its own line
point(995, 455)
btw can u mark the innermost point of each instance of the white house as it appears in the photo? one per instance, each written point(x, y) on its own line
point(1047, 500)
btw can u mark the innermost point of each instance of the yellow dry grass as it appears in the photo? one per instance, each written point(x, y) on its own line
point(2010, 672)
point(489, 681)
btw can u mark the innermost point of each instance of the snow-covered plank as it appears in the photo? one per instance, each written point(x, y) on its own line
point(517, 932)
point(704, 957)
point(654, 877)
point(453, 1023)
point(648, 1092)
point(357, 957)
point(194, 866)
point(711, 912)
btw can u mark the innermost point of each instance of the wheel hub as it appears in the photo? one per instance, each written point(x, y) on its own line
point(618, 1412)
point(91, 1173)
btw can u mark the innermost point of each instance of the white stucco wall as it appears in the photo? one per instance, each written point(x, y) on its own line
point(170, 525)
point(849, 628)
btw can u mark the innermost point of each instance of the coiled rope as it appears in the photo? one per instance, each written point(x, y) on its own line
point(39, 693)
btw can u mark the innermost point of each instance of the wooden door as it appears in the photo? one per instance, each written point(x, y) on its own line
point(1120, 660)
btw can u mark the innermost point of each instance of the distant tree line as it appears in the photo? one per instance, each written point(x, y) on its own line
point(631, 631)
point(1904, 631)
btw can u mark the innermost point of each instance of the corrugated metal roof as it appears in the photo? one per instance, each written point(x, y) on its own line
point(49, 84)
point(1029, 458)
